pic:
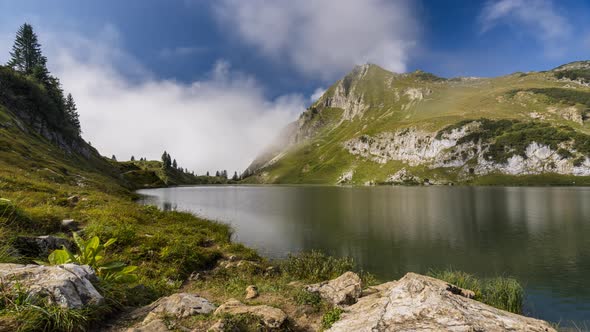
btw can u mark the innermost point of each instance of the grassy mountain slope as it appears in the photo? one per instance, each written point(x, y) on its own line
point(47, 176)
point(370, 106)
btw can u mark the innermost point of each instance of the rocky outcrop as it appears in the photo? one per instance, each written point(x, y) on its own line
point(68, 285)
point(344, 290)
point(449, 149)
point(40, 246)
point(271, 317)
point(420, 303)
point(346, 96)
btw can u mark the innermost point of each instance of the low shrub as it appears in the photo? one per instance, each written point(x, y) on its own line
point(331, 317)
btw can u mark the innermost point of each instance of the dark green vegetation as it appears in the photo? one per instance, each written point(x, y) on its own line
point(581, 74)
point(499, 292)
point(512, 137)
point(566, 96)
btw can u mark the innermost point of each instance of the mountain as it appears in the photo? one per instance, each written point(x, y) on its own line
point(374, 126)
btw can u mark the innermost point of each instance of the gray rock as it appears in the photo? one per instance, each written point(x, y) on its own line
point(182, 305)
point(420, 303)
point(251, 292)
point(344, 290)
point(170, 308)
point(68, 285)
point(70, 225)
point(156, 325)
point(40, 246)
point(271, 317)
point(73, 200)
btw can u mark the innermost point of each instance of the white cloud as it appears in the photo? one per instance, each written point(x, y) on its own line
point(325, 37)
point(220, 122)
point(317, 94)
point(539, 17)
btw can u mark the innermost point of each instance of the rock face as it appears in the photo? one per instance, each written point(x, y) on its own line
point(450, 150)
point(41, 246)
point(271, 317)
point(68, 285)
point(420, 303)
point(344, 290)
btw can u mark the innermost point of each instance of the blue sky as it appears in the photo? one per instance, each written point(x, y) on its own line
point(269, 57)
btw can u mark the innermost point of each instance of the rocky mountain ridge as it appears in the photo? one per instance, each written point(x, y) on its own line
point(451, 130)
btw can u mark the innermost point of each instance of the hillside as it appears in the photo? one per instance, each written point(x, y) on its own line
point(52, 182)
point(374, 126)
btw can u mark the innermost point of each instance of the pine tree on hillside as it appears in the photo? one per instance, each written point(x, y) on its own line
point(174, 164)
point(217, 174)
point(113, 158)
point(72, 113)
point(132, 158)
point(26, 55)
point(235, 177)
point(207, 173)
point(166, 160)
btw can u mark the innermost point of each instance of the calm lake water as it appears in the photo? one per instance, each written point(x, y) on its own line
point(540, 235)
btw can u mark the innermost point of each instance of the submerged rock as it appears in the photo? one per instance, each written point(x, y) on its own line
point(420, 303)
point(271, 317)
point(344, 290)
point(68, 285)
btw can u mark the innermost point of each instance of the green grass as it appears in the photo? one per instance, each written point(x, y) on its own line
point(331, 317)
point(500, 292)
point(321, 159)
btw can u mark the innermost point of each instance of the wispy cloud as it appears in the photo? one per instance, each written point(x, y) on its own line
point(540, 18)
point(325, 37)
point(219, 122)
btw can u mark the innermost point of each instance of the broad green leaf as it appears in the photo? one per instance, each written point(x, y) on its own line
point(110, 242)
point(59, 256)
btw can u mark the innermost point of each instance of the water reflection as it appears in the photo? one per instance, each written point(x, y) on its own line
point(539, 235)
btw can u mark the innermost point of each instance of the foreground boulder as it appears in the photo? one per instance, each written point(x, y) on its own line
point(181, 305)
point(271, 317)
point(68, 285)
point(420, 303)
point(344, 290)
point(173, 307)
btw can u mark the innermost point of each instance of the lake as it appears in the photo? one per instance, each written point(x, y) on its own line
point(539, 235)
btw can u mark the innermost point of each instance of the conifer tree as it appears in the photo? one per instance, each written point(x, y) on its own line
point(26, 55)
point(217, 174)
point(235, 177)
point(72, 113)
point(174, 164)
point(132, 158)
point(113, 158)
point(207, 173)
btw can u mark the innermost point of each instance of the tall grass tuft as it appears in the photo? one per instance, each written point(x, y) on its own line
point(315, 266)
point(499, 292)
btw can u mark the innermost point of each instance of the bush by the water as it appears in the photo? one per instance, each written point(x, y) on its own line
point(500, 292)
